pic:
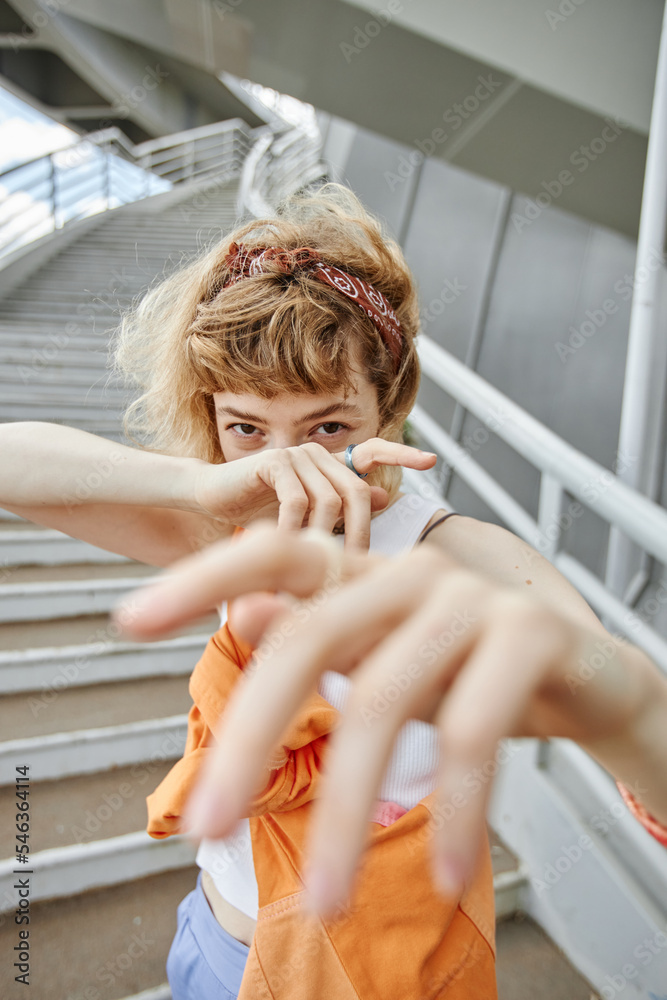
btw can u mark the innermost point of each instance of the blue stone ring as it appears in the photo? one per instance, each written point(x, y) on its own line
point(349, 462)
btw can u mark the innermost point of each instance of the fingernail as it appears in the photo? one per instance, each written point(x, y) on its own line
point(204, 813)
point(449, 875)
point(320, 896)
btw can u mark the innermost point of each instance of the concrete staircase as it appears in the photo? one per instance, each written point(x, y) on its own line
point(99, 721)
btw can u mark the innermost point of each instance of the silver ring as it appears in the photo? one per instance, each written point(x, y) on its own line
point(350, 463)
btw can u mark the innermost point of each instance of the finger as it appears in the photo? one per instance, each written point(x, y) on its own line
point(379, 498)
point(485, 701)
point(395, 682)
point(351, 492)
point(262, 559)
point(321, 486)
point(338, 632)
point(370, 454)
point(292, 497)
point(250, 615)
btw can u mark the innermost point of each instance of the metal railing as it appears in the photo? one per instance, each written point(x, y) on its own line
point(281, 162)
point(105, 170)
point(562, 468)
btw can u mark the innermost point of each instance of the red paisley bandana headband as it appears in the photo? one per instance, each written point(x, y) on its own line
point(243, 263)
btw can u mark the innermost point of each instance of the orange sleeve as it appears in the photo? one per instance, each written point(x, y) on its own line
point(290, 784)
point(639, 812)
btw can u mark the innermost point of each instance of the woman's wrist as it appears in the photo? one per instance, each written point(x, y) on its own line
point(187, 485)
point(637, 756)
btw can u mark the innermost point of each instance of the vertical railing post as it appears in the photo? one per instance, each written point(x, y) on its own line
point(106, 175)
point(548, 517)
point(639, 440)
point(53, 208)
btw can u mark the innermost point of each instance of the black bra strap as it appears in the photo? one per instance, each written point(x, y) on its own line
point(435, 525)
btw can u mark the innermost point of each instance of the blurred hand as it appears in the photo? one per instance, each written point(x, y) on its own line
point(478, 660)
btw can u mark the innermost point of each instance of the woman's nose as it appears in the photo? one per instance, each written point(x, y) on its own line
point(285, 440)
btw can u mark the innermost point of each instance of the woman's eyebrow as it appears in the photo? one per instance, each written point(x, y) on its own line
point(343, 407)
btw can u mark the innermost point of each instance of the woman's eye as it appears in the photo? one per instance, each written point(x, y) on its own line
point(331, 427)
point(246, 429)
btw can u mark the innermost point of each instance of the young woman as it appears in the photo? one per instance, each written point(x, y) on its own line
point(260, 365)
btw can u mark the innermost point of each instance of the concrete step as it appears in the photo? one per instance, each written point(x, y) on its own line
point(94, 393)
point(529, 965)
point(85, 630)
point(60, 377)
point(86, 417)
point(36, 351)
point(50, 669)
point(68, 314)
point(78, 707)
point(86, 751)
point(84, 808)
point(100, 945)
point(76, 868)
point(49, 306)
point(39, 593)
point(48, 547)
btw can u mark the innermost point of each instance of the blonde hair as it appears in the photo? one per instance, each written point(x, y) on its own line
point(269, 333)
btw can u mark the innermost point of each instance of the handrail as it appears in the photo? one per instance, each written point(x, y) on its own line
point(281, 161)
point(157, 164)
point(562, 468)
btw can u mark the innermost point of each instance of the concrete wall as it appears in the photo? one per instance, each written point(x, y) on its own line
point(556, 276)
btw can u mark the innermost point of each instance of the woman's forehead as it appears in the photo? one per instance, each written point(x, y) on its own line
point(302, 405)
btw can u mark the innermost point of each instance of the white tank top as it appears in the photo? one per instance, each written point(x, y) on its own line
point(412, 770)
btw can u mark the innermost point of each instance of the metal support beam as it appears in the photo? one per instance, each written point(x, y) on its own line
point(643, 407)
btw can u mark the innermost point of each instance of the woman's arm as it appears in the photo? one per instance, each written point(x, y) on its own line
point(158, 508)
point(137, 503)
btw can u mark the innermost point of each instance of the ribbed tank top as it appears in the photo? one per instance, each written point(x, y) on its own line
point(412, 770)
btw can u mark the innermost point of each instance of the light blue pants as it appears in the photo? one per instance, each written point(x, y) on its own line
point(204, 962)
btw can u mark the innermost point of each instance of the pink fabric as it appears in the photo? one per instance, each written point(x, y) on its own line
point(386, 813)
point(649, 823)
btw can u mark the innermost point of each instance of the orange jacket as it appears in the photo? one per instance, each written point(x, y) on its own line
point(398, 939)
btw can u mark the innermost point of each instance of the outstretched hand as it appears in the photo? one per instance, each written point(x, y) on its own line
point(421, 637)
